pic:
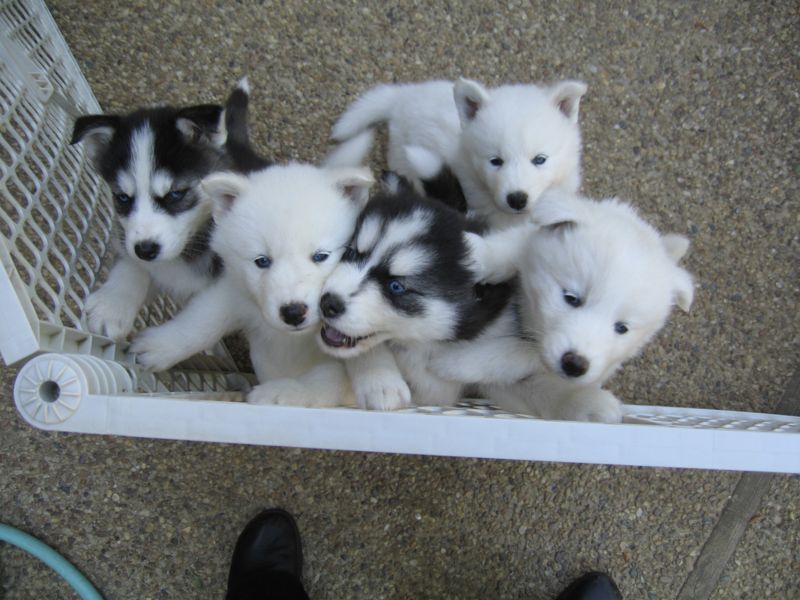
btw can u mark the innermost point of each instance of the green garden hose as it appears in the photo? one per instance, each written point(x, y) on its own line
point(52, 559)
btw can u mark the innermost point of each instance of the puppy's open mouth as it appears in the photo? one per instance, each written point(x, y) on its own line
point(336, 339)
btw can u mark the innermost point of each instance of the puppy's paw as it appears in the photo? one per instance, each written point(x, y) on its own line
point(281, 392)
point(478, 259)
point(110, 314)
point(592, 404)
point(157, 349)
point(382, 389)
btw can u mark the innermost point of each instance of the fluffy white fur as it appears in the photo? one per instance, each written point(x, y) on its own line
point(285, 218)
point(470, 126)
point(598, 282)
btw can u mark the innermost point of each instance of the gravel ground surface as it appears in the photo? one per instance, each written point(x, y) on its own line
point(691, 114)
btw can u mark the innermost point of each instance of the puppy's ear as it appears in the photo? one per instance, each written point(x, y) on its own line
point(566, 96)
point(675, 245)
point(684, 289)
point(204, 123)
point(223, 189)
point(470, 97)
point(354, 183)
point(555, 211)
point(96, 132)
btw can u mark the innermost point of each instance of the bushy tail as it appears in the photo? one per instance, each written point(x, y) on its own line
point(351, 153)
point(373, 107)
point(237, 142)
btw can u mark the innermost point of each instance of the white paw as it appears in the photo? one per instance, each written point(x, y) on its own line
point(592, 404)
point(281, 392)
point(382, 389)
point(157, 349)
point(110, 314)
point(477, 256)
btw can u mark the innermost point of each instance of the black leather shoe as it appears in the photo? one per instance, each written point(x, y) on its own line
point(591, 586)
point(269, 542)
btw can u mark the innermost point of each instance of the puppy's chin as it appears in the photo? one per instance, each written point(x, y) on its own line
point(335, 343)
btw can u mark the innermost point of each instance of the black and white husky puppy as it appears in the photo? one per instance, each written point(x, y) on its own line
point(153, 159)
point(407, 278)
point(596, 283)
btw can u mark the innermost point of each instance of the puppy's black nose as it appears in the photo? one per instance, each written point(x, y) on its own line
point(517, 200)
point(331, 305)
point(574, 365)
point(147, 250)
point(294, 313)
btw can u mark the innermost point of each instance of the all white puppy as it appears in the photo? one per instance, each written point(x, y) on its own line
point(505, 145)
point(597, 283)
point(280, 232)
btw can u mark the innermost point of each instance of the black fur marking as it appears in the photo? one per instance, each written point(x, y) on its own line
point(172, 151)
point(187, 158)
point(445, 187)
point(488, 302)
point(237, 144)
point(188, 202)
point(446, 276)
point(198, 244)
point(217, 266)
point(86, 124)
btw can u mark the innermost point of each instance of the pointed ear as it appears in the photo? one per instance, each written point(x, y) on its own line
point(566, 96)
point(675, 245)
point(204, 123)
point(470, 97)
point(556, 211)
point(96, 132)
point(354, 183)
point(224, 189)
point(684, 289)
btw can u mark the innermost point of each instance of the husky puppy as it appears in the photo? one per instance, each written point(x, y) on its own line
point(153, 159)
point(596, 284)
point(280, 232)
point(506, 145)
point(406, 278)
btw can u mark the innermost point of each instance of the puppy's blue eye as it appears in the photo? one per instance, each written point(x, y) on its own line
point(263, 262)
point(176, 195)
point(620, 328)
point(496, 161)
point(539, 159)
point(123, 198)
point(572, 299)
point(320, 256)
point(396, 288)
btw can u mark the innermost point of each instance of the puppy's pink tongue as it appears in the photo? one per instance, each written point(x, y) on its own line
point(333, 337)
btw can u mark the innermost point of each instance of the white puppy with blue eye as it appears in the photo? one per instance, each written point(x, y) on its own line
point(280, 232)
point(597, 282)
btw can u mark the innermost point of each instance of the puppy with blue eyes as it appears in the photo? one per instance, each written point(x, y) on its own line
point(280, 233)
point(506, 145)
point(597, 283)
point(153, 160)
